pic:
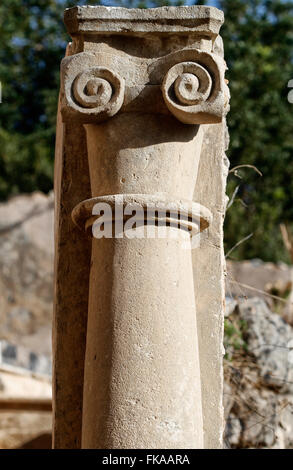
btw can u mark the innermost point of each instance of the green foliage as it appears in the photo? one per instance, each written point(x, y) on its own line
point(33, 39)
point(258, 37)
point(234, 337)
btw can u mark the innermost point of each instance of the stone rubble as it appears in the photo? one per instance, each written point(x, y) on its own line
point(258, 394)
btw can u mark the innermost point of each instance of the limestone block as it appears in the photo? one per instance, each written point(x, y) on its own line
point(141, 92)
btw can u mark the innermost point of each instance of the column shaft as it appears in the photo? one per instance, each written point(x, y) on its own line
point(142, 380)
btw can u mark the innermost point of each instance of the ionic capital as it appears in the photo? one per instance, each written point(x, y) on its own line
point(164, 65)
point(136, 87)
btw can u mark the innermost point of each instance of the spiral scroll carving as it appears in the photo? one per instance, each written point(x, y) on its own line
point(98, 91)
point(187, 89)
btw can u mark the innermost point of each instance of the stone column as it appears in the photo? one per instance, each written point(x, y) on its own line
point(143, 84)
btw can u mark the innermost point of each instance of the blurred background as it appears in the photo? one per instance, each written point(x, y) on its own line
point(258, 40)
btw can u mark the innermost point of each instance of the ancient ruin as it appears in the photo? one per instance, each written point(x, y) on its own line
point(138, 322)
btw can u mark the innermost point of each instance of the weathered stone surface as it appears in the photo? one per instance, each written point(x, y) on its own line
point(141, 292)
point(164, 20)
point(70, 312)
point(208, 268)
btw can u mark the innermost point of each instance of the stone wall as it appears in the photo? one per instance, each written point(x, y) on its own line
point(26, 271)
point(22, 358)
point(26, 289)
